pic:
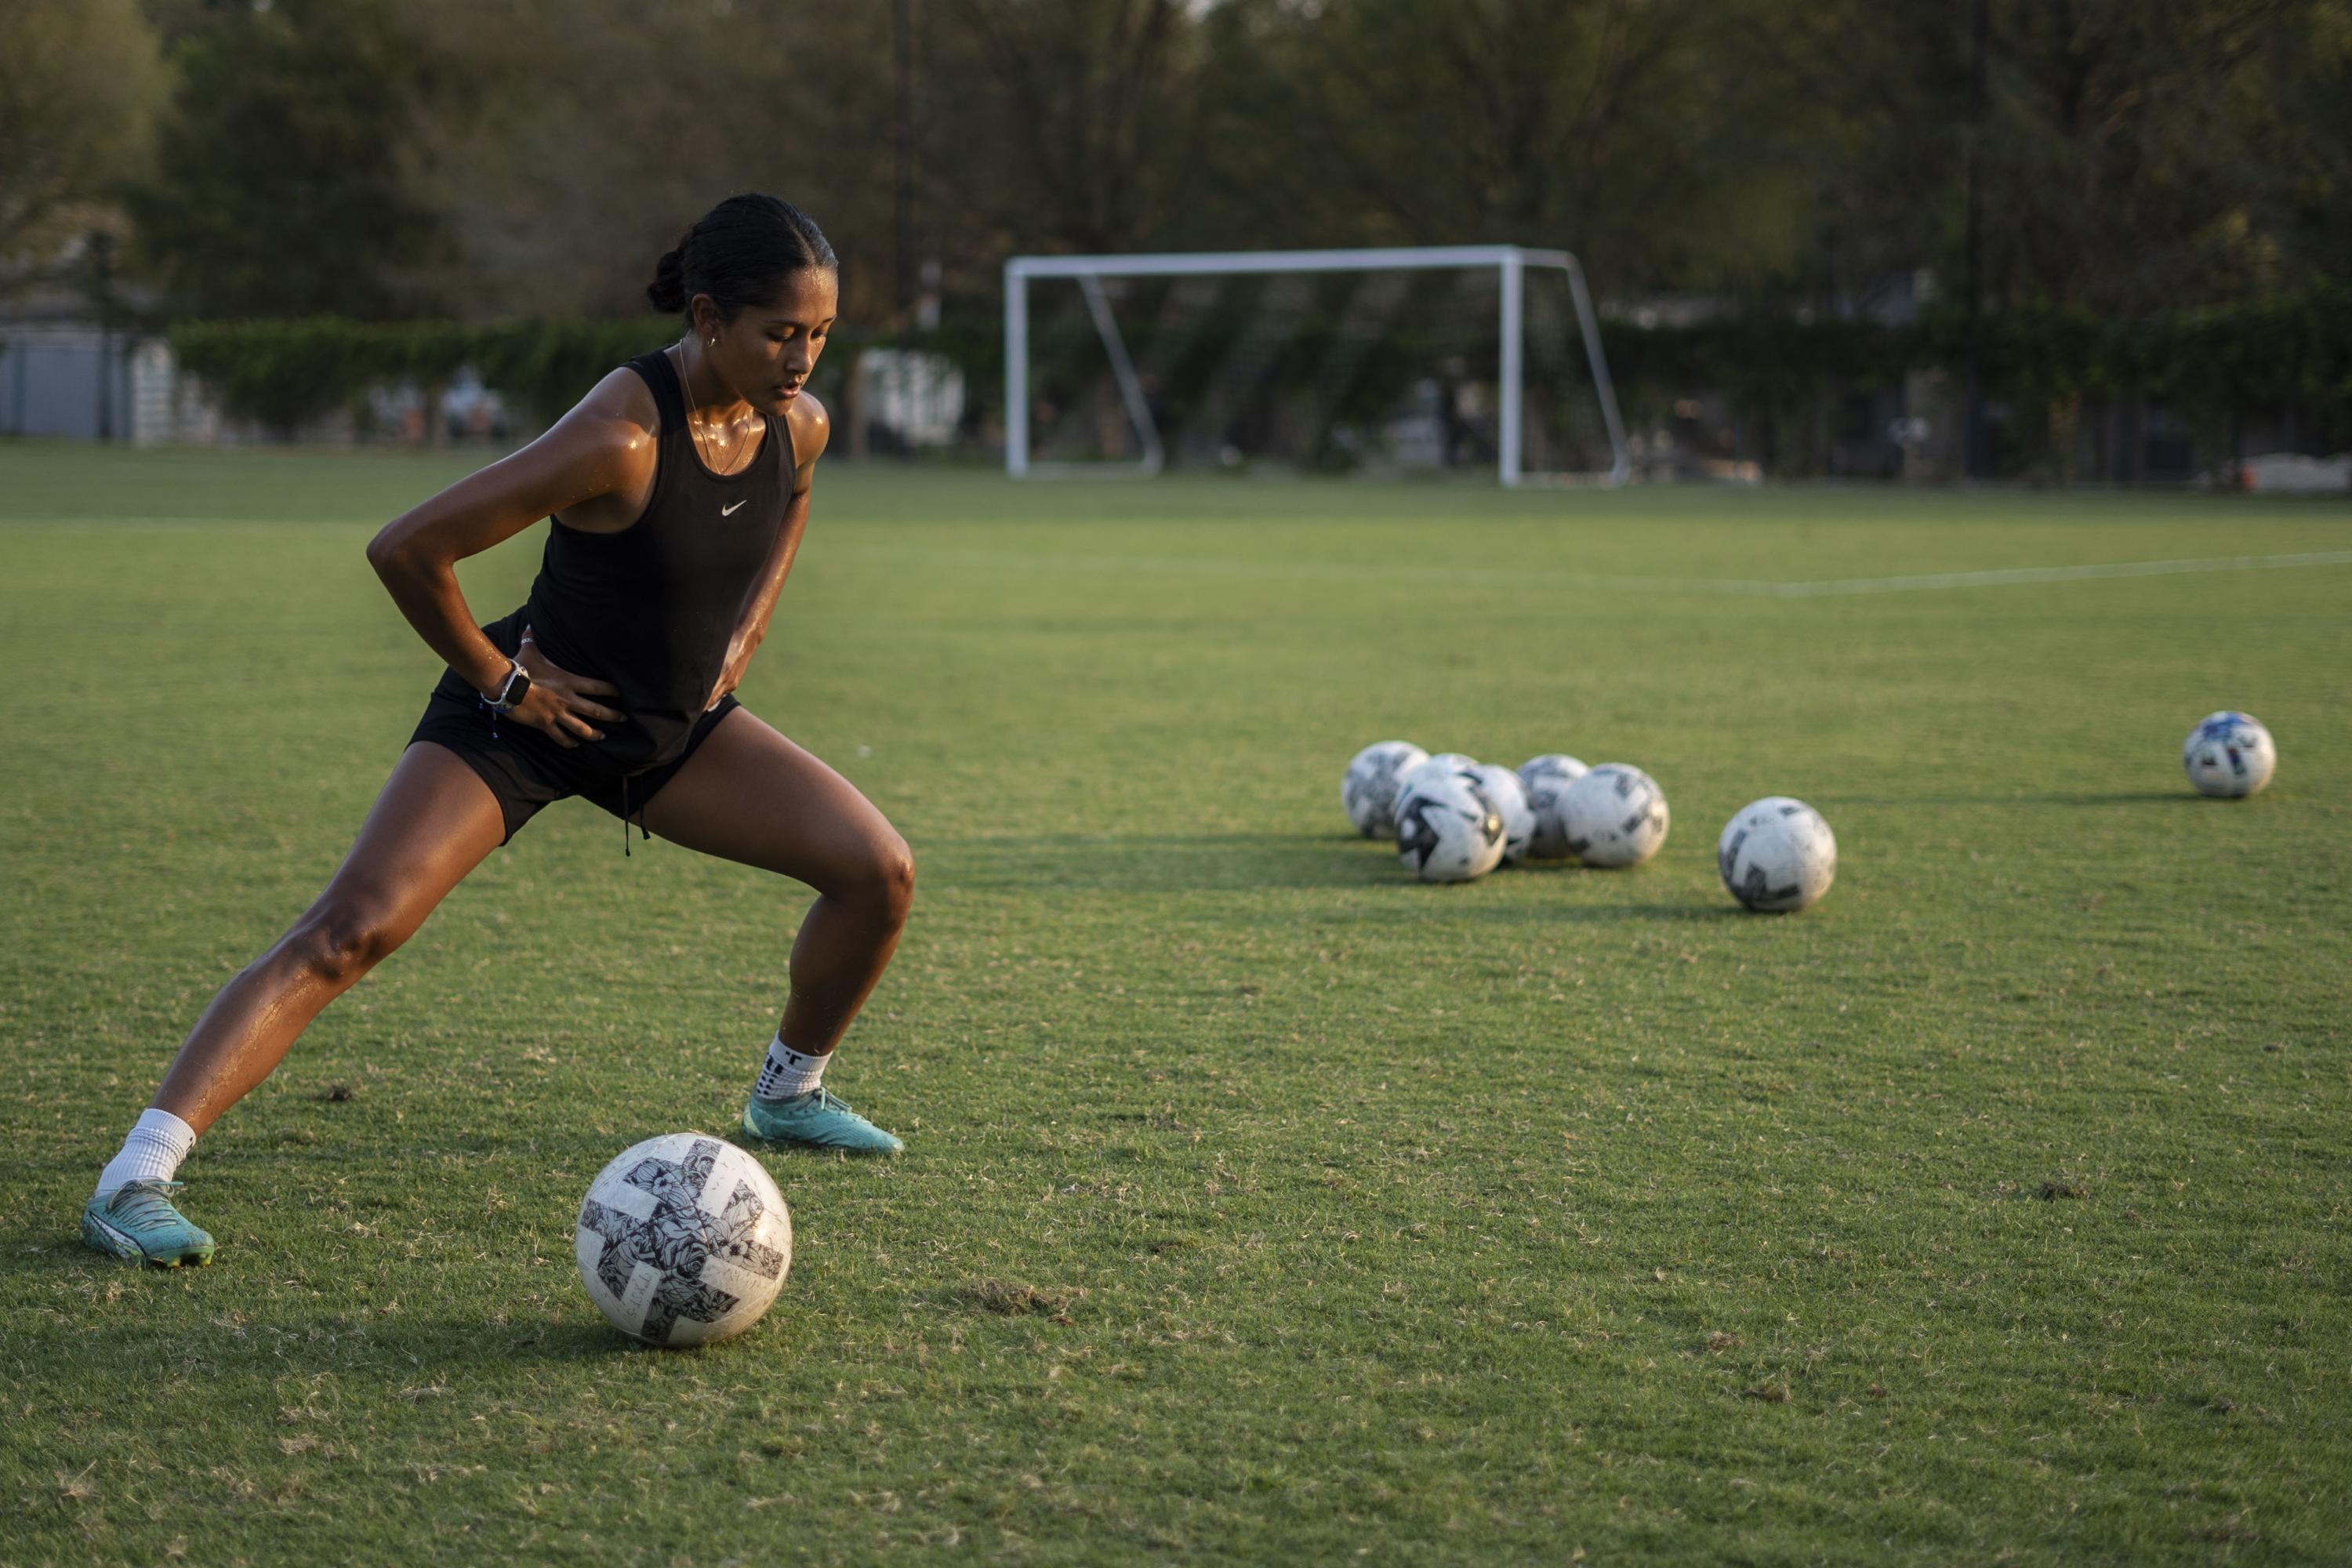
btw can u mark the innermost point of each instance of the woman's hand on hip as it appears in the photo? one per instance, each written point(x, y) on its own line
point(731, 675)
point(562, 703)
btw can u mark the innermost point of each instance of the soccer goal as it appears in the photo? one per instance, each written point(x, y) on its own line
point(1383, 359)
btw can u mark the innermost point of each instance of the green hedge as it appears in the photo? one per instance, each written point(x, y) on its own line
point(2204, 363)
point(283, 374)
point(2298, 346)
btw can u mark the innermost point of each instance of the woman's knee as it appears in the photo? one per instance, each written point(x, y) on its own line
point(341, 939)
point(886, 880)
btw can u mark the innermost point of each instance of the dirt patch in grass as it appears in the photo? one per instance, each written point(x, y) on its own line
point(1010, 1299)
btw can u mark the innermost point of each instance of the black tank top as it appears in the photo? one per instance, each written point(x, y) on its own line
point(652, 608)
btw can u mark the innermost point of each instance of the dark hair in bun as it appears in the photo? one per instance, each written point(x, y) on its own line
point(740, 253)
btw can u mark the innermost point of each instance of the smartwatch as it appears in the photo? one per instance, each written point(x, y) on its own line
point(510, 695)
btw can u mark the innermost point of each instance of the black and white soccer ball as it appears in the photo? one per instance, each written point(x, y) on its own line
point(1448, 830)
point(683, 1240)
point(1614, 816)
point(1777, 855)
point(1368, 791)
point(1518, 820)
point(2229, 754)
point(1544, 780)
point(1431, 767)
point(1551, 764)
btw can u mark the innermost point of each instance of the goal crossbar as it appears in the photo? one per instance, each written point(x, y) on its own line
point(1512, 262)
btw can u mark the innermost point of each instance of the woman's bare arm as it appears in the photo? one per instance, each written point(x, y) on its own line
point(602, 447)
point(812, 428)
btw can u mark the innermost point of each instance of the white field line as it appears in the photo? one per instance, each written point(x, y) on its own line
point(1355, 572)
point(1151, 565)
point(1999, 576)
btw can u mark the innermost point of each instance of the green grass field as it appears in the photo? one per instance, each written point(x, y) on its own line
point(1262, 1205)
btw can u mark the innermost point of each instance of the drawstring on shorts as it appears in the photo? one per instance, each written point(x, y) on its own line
point(643, 831)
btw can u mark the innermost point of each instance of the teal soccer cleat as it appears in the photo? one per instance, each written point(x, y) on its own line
point(137, 1223)
point(818, 1119)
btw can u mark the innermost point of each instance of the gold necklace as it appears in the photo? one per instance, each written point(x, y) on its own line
point(686, 382)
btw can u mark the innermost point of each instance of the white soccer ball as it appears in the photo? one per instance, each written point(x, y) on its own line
point(1435, 767)
point(1447, 828)
point(2229, 754)
point(683, 1240)
point(1368, 791)
point(1777, 854)
point(1511, 801)
point(1550, 764)
point(1614, 816)
point(1544, 780)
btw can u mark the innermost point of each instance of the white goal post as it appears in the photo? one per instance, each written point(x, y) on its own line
point(1512, 262)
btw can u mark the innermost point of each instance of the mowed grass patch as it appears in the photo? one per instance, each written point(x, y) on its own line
point(1261, 1204)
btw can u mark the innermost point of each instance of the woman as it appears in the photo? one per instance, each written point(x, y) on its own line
point(677, 490)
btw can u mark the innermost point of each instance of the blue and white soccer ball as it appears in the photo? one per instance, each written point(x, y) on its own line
point(1447, 828)
point(1368, 791)
point(683, 1240)
point(1776, 855)
point(1614, 816)
point(1511, 801)
point(1544, 780)
point(2229, 754)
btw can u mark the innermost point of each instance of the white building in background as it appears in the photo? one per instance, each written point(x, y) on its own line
point(166, 406)
point(904, 400)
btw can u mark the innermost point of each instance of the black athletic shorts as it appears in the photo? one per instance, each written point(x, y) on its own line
point(526, 770)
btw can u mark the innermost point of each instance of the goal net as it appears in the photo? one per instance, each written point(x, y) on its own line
point(1384, 360)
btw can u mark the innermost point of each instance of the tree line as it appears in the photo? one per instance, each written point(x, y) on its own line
point(477, 159)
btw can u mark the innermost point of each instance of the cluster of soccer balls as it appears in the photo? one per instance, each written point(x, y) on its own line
point(1455, 818)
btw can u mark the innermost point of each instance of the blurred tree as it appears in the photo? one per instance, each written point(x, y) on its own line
point(1862, 106)
point(1788, 152)
point(282, 185)
point(2135, 157)
point(1624, 129)
point(80, 83)
point(2118, 149)
point(1084, 97)
point(602, 129)
point(2304, 142)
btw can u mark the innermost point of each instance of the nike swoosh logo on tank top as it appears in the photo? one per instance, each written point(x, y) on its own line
point(652, 607)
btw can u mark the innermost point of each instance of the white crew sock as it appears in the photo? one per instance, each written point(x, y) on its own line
point(159, 1140)
point(788, 1072)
